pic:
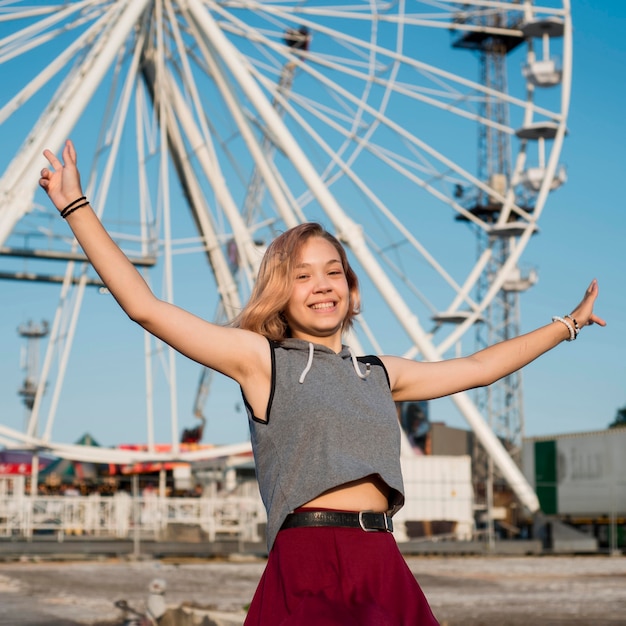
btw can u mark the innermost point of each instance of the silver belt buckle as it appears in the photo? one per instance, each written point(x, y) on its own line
point(388, 523)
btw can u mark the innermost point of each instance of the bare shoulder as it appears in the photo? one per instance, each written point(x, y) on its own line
point(255, 353)
point(397, 367)
point(426, 380)
point(254, 367)
point(411, 380)
point(242, 354)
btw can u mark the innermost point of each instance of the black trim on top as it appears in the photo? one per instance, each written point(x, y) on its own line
point(371, 359)
point(258, 420)
point(273, 345)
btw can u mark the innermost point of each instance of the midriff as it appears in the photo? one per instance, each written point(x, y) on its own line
point(367, 494)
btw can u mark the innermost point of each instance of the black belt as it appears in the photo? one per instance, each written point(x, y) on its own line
point(366, 520)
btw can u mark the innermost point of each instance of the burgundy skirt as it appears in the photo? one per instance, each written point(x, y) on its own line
point(337, 577)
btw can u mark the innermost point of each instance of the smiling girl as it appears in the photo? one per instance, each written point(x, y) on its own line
point(323, 421)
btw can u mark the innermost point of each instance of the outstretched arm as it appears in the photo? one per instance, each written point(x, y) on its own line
point(234, 352)
point(411, 380)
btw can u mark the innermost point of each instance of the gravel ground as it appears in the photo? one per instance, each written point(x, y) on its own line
point(467, 591)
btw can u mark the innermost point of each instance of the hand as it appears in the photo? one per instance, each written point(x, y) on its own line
point(583, 313)
point(62, 182)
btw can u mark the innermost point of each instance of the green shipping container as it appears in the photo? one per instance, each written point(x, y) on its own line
point(546, 476)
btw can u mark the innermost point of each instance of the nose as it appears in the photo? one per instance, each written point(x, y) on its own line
point(322, 284)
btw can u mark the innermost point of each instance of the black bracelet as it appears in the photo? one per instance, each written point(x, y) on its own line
point(66, 212)
point(71, 204)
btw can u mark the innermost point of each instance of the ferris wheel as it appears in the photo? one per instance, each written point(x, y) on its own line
point(211, 126)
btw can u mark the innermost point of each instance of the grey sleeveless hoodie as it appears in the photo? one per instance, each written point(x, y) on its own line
point(330, 420)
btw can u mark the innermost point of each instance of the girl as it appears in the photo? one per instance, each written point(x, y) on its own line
point(323, 422)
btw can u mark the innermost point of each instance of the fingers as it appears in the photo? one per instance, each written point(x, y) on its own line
point(52, 159)
point(61, 180)
point(69, 152)
point(591, 293)
point(44, 179)
point(69, 156)
point(584, 311)
point(51, 177)
point(594, 319)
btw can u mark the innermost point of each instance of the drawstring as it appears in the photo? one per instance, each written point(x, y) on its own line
point(368, 367)
point(355, 364)
point(309, 364)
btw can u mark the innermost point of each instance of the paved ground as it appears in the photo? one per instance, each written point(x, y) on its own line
point(467, 591)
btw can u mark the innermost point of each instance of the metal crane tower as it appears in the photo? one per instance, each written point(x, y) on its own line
point(502, 403)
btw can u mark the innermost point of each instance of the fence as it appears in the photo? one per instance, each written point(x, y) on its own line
point(123, 516)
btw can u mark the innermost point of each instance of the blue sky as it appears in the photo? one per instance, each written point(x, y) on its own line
point(580, 385)
point(577, 387)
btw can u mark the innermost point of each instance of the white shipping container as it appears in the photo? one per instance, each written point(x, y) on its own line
point(581, 474)
point(437, 488)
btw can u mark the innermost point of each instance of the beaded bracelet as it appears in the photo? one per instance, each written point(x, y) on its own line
point(572, 334)
point(70, 208)
point(576, 326)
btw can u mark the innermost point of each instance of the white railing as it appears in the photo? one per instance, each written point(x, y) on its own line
point(122, 516)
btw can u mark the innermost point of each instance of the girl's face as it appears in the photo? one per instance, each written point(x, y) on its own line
point(320, 297)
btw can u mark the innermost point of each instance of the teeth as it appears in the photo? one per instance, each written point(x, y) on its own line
point(323, 305)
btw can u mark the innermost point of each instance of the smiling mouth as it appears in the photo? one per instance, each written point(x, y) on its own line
point(320, 306)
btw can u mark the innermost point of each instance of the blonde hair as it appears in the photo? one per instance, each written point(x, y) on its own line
point(264, 312)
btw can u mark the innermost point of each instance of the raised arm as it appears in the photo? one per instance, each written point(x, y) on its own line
point(411, 380)
point(234, 352)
